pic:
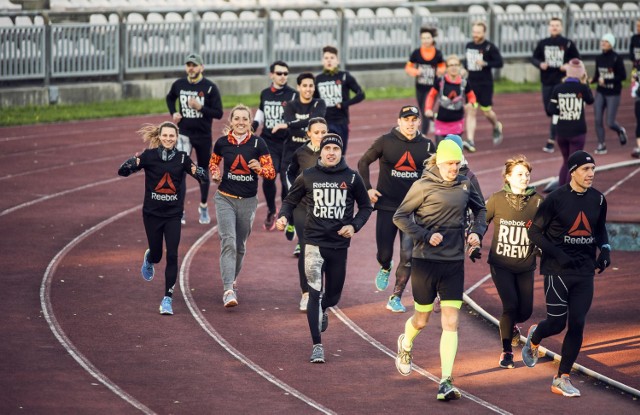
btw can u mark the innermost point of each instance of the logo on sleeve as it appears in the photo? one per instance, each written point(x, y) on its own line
point(165, 190)
point(405, 168)
point(580, 232)
point(239, 170)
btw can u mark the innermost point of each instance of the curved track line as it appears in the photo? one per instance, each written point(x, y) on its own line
point(47, 310)
point(358, 330)
point(202, 321)
point(621, 182)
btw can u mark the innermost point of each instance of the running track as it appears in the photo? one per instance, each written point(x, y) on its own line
point(81, 331)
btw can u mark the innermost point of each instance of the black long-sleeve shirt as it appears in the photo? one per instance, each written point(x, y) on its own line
point(488, 52)
point(555, 51)
point(610, 67)
point(297, 115)
point(634, 51)
point(335, 88)
point(195, 123)
point(569, 227)
point(567, 102)
point(330, 194)
point(272, 104)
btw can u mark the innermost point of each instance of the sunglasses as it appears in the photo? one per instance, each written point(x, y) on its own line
point(282, 73)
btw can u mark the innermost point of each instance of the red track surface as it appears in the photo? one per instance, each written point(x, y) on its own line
point(81, 331)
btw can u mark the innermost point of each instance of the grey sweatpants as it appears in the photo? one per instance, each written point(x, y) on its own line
point(610, 104)
point(235, 218)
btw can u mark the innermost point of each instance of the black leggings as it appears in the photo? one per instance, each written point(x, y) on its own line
point(386, 232)
point(169, 228)
point(202, 146)
point(421, 97)
point(547, 90)
point(568, 299)
point(323, 292)
point(269, 186)
point(516, 292)
point(299, 217)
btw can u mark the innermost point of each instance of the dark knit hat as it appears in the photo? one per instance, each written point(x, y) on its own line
point(579, 158)
point(331, 139)
point(409, 111)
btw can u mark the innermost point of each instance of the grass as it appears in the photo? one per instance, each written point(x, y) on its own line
point(62, 113)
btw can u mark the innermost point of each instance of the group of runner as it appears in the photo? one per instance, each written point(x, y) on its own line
point(425, 193)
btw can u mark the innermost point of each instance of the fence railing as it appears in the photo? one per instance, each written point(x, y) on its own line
point(232, 40)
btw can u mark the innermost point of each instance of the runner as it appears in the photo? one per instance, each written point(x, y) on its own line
point(512, 256)
point(164, 169)
point(567, 104)
point(269, 114)
point(425, 64)
point(334, 87)
point(481, 57)
point(331, 189)
point(569, 227)
point(609, 74)
point(401, 154)
point(245, 156)
point(550, 56)
point(304, 158)
point(199, 103)
point(452, 92)
point(433, 213)
point(634, 55)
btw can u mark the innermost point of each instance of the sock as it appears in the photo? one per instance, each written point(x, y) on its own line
point(203, 205)
point(410, 333)
point(448, 350)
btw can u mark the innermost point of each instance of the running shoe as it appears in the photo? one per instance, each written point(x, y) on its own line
point(515, 336)
point(183, 219)
point(469, 146)
point(506, 361)
point(395, 305)
point(204, 219)
point(325, 322)
point(549, 147)
point(530, 352)
point(382, 278)
point(147, 269)
point(601, 149)
point(317, 354)
point(622, 136)
point(403, 358)
point(270, 221)
point(497, 134)
point(290, 232)
point(230, 299)
point(304, 301)
point(296, 251)
point(562, 386)
point(636, 153)
point(436, 304)
point(448, 392)
point(165, 306)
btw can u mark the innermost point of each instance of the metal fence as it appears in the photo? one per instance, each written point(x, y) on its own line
point(128, 47)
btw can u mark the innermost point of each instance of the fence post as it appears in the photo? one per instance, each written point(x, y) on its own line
point(124, 47)
point(268, 43)
point(48, 50)
point(343, 39)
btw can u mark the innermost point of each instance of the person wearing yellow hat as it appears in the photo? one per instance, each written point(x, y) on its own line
point(434, 213)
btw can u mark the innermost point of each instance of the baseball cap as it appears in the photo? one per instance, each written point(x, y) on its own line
point(194, 58)
point(408, 111)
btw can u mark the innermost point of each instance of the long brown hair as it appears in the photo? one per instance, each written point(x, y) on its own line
point(151, 133)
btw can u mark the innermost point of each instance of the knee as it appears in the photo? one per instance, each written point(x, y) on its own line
point(556, 325)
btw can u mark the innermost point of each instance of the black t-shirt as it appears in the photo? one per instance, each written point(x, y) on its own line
point(610, 67)
point(335, 89)
point(194, 123)
point(237, 178)
point(488, 52)
point(429, 68)
point(555, 51)
point(272, 104)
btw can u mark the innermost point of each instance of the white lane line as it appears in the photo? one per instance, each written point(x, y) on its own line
point(365, 336)
point(621, 181)
point(47, 310)
point(201, 319)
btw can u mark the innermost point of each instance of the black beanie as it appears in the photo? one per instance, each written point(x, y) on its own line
point(579, 158)
point(331, 139)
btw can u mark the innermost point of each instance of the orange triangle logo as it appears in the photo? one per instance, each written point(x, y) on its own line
point(240, 166)
point(343, 185)
point(165, 185)
point(406, 163)
point(580, 226)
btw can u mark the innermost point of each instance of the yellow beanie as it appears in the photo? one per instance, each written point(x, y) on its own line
point(448, 150)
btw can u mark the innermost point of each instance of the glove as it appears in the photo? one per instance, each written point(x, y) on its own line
point(202, 175)
point(128, 167)
point(474, 253)
point(604, 260)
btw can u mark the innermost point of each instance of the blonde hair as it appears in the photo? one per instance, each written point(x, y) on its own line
point(151, 133)
point(511, 164)
point(452, 57)
point(239, 107)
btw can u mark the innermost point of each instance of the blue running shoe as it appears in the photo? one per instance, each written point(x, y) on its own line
point(562, 386)
point(147, 267)
point(395, 305)
point(448, 392)
point(204, 219)
point(530, 352)
point(165, 306)
point(317, 354)
point(382, 278)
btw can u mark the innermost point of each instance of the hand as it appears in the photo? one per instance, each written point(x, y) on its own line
point(193, 103)
point(255, 166)
point(374, 195)
point(347, 231)
point(481, 63)
point(473, 240)
point(603, 261)
point(474, 253)
point(428, 113)
point(215, 177)
point(177, 117)
point(281, 223)
point(436, 239)
point(544, 66)
point(601, 81)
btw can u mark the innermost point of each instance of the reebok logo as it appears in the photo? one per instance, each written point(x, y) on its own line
point(240, 166)
point(580, 232)
point(343, 185)
point(165, 185)
point(405, 168)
